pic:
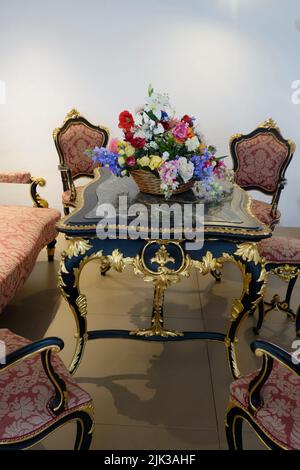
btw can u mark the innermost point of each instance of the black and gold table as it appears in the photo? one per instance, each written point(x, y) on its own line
point(230, 235)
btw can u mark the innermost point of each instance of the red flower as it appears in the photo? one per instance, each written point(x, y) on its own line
point(126, 120)
point(166, 125)
point(138, 142)
point(128, 136)
point(188, 120)
point(130, 161)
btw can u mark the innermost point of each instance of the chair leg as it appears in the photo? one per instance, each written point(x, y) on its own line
point(289, 292)
point(217, 275)
point(66, 210)
point(298, 322)
point(261, 316)
point(51, 250)
point(234, 428)
point(84, 432)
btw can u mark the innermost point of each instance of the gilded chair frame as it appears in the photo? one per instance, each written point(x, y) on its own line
point(267, 127)
point(289, 273)
point(236, 414)
point(67, 178)
point(83, 416)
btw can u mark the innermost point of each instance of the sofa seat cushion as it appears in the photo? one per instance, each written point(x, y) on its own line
point(281, 250)
point(279, 416)
point(262, 210)
point(24, 231)
point(25, 393)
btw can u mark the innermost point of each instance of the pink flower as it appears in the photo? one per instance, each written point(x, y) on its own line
point(180, 131)
point(130, 161)
point(168, 175)
point(113, 145)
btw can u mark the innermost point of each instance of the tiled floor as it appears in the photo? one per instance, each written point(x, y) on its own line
point(146, 395)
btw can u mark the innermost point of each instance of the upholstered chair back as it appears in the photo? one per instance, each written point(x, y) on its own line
point(261, 158)
point(73, 138)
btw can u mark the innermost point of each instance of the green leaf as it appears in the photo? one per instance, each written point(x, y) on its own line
point(151, 115)
point(150, 90)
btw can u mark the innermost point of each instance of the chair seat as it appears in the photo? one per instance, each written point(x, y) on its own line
point(24, 231)
point(262, 210)
point(279, 416)
point(280, 250)
point(66, 196)
point(25, 392)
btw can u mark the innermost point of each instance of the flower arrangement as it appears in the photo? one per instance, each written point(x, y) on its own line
point(171, 148)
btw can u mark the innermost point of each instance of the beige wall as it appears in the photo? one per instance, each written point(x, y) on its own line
point(231, 63)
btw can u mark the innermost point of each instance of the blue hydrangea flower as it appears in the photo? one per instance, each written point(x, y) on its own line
point(107, 159)
point(203, 168)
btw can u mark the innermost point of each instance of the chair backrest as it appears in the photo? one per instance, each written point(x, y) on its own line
point(260, 159)
point(73, 138)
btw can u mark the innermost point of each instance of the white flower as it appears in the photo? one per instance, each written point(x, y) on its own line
point(139, 109)
point(159, 129)
point(153, 144)
point(124, 173)
point(157, 103)
point(165, 156)
point(186, 169)
point(141, 133)
point(192, 143)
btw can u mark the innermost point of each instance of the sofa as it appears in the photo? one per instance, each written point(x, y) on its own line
point(24, 232)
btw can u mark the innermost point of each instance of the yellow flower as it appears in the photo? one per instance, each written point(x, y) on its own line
point(129, 150)
point(121, 161)
point(144, 161)
point(155, 161)
point(121, 152)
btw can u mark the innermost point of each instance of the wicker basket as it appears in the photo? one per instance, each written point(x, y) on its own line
point(150, 184)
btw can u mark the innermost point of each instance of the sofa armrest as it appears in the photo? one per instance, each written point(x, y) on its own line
point(19, 177)
point(24, 177)
point(38, 201)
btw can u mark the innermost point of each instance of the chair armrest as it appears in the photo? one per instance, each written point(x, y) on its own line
point(68, 182)
point(275, 200)
point(45, 347)
point(30, 349)
point(269, 353)
point(20, 177)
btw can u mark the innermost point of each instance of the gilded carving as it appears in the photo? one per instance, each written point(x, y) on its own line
point(286, 272)
point(270, 124)
point(37, 199)
point(236, 309)
point(248, 252)
point(77, 247)
point(207, 264)
point(162, 258)
point(81, 303)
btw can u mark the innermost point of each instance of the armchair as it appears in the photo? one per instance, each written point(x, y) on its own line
point(71, 140)
point(268, 400)
point(24, 231)
point(38, 395)
point(260, 160)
